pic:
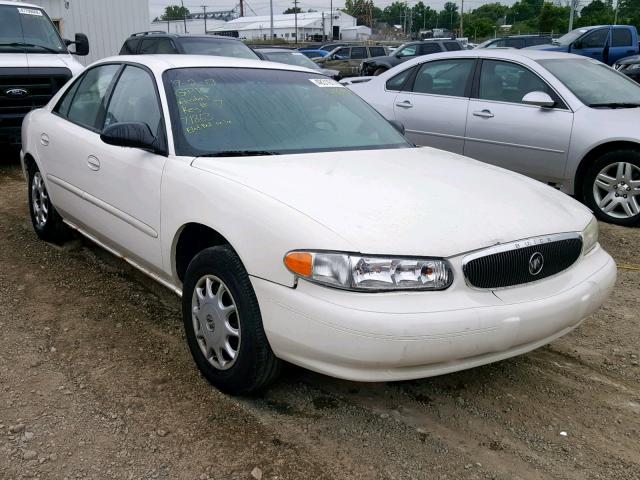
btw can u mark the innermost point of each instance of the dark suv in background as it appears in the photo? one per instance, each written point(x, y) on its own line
point(149, 43)
point(378, 65)
point(517, 41)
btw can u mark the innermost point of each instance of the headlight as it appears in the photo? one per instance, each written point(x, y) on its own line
point(370, 273)
point(590, 236)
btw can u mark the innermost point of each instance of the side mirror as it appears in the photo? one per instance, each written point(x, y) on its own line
point(539, 99)
point(132, 135)
point(399, 126)
point(82, 44)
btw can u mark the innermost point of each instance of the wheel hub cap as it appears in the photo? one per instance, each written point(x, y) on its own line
point(616, 190)
point(215, 322)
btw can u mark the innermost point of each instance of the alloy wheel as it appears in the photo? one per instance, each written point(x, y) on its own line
point(616, 190)
point(216, 322)
point(39, 200)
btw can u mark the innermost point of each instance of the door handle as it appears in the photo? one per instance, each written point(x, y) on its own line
point(93, 163)
point(44, 139)
point(404, 104)
point(484, 113)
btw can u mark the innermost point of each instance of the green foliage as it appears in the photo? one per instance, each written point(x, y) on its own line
point(175, 12)
point(293, 10)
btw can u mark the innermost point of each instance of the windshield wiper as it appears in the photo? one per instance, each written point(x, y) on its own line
point(614, 105)
point(30, 45)
point(238, 153)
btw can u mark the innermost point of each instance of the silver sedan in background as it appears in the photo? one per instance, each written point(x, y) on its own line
point(566, 120)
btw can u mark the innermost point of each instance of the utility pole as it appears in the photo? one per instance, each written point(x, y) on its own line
point(461, 34)
point(204, 10)
point(271, 19)
point(241, 8)
point(184, 16)
point(615, 18)
point(295, 14)
point(331, 22)
point(574, 5)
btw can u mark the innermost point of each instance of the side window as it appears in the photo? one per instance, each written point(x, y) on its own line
point(444, 77)
point(343, 53)
point(595, 39)
point(397, 82)
point(130, 46)
point(427, 48)
point(621, 37)
point(377, 51)
point(508, 82)
point(148, 46)
point(63, 106)
point(134, 99)
point(452, 46)
point(498, 44)
point(408, 51)
point(88, 99)
point(514, 42)
point(358, 53)
point(165, 45)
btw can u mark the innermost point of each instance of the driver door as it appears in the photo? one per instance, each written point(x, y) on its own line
point(592, 44)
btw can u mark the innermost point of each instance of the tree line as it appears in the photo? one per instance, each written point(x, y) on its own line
point(524, 16)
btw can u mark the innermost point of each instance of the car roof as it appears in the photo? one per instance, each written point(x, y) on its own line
point(156, 34)
point(276, 50)
point(160, 63)
point(506, 54)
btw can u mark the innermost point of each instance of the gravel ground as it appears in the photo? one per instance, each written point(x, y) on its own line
point(96, 382)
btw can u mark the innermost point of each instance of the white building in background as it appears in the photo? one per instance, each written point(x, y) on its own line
point(195, 22)
point(107, 23)
point(358, 33)
point(310, 24)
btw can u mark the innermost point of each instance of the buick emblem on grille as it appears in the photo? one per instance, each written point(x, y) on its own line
point(536, 262)
point(16, 92)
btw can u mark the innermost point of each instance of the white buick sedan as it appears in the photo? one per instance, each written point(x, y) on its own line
point(298, 225)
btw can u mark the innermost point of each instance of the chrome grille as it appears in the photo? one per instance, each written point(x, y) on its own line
point(517, 263)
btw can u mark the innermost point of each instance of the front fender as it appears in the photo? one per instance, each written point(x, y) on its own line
point(261, 229)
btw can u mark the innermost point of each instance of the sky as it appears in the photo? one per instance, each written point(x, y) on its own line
point(261, 7)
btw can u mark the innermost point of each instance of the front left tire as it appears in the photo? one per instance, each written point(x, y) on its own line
point(223, 324)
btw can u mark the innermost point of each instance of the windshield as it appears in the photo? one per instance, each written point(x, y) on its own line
point(216, 110)
point(217, 46)
point(593, 82)
point(28, 30)
point(291, 58)
point(569, 38)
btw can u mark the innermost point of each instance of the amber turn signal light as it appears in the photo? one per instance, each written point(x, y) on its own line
point(300, 263)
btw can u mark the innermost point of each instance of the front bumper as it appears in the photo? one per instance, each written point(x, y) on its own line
point(408, 335)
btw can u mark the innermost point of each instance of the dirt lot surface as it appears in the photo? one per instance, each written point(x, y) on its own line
point(96, 382)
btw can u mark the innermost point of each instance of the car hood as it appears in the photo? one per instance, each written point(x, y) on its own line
point(417, 201)
point(43, 60)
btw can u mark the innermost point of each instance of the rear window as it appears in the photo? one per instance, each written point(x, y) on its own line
point(130, 47)
point(217, 46)
point(452, 46)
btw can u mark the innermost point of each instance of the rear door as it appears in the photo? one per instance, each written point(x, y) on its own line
point(503, 131)
point(357, 55)
point(434, 107)
point(621, 44)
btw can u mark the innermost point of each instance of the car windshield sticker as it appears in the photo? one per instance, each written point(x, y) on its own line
point(325, 82)
point(30, 11)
